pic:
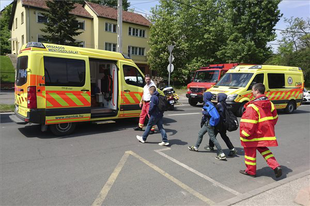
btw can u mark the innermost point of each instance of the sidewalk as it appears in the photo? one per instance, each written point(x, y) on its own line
point(293, 190)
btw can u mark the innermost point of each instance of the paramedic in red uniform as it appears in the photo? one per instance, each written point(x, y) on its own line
point(145, 103)
point(257, 131)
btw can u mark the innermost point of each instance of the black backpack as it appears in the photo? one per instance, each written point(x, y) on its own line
point(231, 122)
point(162, 103)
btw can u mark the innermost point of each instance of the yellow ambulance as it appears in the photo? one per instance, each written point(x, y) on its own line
point(284, 86)
point(58, 86)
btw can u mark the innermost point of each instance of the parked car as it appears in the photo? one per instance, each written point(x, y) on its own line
point(306, 98)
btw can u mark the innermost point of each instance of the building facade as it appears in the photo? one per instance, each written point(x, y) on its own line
point(98, 25)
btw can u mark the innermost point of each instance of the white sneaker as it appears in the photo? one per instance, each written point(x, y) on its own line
point(140, 139)
point(163, 143)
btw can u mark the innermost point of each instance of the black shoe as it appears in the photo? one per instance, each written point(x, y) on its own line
point(152, 132)
point(278, 172)
point(245, 173)
point(138, 129)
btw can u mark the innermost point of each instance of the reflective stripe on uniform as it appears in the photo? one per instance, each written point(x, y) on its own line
point(244, 133)
point(250, 158)
point(266, 152)
point(257, 139)
point(249, 121)
point(272, 106)
point(267, 157)
point(250, 163)
point(267, 118)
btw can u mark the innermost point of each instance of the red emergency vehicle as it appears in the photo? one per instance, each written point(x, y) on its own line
point(205, 78)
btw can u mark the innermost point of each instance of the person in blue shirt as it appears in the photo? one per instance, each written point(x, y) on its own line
point(211, 119)
point(156, 118)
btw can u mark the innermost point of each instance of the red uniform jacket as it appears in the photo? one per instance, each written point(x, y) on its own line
point(257, 123)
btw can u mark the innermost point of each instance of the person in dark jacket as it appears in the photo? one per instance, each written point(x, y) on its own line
point(207, 127)
point(220, 128)
point(156, 117)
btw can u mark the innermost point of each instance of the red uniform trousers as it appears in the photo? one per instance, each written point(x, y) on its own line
point(144, 112)
point(250, 158)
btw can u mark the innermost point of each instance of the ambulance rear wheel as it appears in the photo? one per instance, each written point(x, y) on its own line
point(62, 129)
point(290, 107)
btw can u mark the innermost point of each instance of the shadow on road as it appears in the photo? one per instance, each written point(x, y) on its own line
point(84, 129)
point(268, 172)
point(4, 118)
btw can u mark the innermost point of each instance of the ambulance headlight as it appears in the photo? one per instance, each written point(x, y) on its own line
point(231, 97)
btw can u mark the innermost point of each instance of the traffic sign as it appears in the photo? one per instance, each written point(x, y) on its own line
point(170, 66)
point(171, 58)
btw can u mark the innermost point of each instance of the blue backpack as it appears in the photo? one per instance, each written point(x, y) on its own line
point(213, 113)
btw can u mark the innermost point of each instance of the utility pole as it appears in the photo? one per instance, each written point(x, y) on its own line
point(119, 26)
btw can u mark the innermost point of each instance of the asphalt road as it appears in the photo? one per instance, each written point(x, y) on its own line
point(106, 165)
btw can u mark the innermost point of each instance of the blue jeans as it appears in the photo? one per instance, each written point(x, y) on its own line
point(210, 129)
point(155, 121)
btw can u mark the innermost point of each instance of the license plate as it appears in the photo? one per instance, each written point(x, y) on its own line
point(193, 95)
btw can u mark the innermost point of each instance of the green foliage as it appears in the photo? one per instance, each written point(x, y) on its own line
point(7, 107)
point(61, 26)
point(5, 34)
point(110, 3)
point(7, 71)
point(294, 49)
point(210, 31)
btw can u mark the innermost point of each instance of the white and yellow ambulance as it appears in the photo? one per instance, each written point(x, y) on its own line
point(284, 86)
point(58, 86)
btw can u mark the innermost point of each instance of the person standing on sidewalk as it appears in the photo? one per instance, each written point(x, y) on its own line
point(145, 103)
point(211, 118)
point(220, 128)
point(257, 131)
point(156, 117)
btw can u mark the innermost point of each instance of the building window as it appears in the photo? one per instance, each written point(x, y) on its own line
point(22, 17)
point(82, 25)
point(41, 38)
point(110, 46)
point(136, 32)
point(110, 27)
point(41, 18)
point(16, 23)
point(13, 44)
point(23, 39)
point(136, 51)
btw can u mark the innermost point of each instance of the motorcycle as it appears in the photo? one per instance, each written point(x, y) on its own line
point(171, 96)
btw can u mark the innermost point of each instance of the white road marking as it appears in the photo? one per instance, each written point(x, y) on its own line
point(214, 182)
point(183, 114)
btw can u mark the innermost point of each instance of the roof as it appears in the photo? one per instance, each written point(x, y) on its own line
point(79, 10)
point(111, 13)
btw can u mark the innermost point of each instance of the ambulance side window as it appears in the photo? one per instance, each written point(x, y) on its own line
point(64, 72)
point(259, 78)
point(133, 76)
point(276, 81)
point(21, 70)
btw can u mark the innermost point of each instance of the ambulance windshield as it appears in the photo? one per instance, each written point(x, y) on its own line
point(235, 79)
point(206, 76)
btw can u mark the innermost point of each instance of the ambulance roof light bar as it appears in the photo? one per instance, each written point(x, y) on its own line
point(35, 44)
point(256, 67)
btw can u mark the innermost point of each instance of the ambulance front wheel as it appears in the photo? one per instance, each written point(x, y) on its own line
point(241, 109)
point(62, 129)
point(290, 107)
point(192, 102)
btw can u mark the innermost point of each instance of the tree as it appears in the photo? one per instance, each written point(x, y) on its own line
point(110, 3)
point(61, 26)
point(294, 49)
point(210, 31)
point(5, 34)
point(249, 27)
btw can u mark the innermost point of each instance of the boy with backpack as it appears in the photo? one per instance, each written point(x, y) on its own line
point(224, 125)
point(211, 118)
point(156, 117)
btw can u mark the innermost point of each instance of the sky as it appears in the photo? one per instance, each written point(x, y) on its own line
point(289, 8)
